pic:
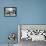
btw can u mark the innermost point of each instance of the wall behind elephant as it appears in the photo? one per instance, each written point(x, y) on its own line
point(28, 12)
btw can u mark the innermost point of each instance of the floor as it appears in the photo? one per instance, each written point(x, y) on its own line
point(30, 43)
point(7, 45)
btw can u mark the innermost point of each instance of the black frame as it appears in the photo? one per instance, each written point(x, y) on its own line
point(10, 7)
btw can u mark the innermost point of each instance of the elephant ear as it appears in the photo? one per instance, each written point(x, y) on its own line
point(12, 36)
point(8, 38)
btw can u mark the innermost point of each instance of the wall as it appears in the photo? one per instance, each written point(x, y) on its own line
point(28, 12)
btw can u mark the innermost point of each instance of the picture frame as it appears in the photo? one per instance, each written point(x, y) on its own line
point(10, 11)
point(37, 29)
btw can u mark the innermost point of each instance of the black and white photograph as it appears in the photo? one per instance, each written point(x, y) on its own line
point(10, 11)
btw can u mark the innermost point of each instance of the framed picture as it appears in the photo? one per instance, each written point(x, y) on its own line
point(33, 32)
point(10, 11)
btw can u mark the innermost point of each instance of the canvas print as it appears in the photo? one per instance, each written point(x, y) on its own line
point(10, 11)
point(33, 32)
